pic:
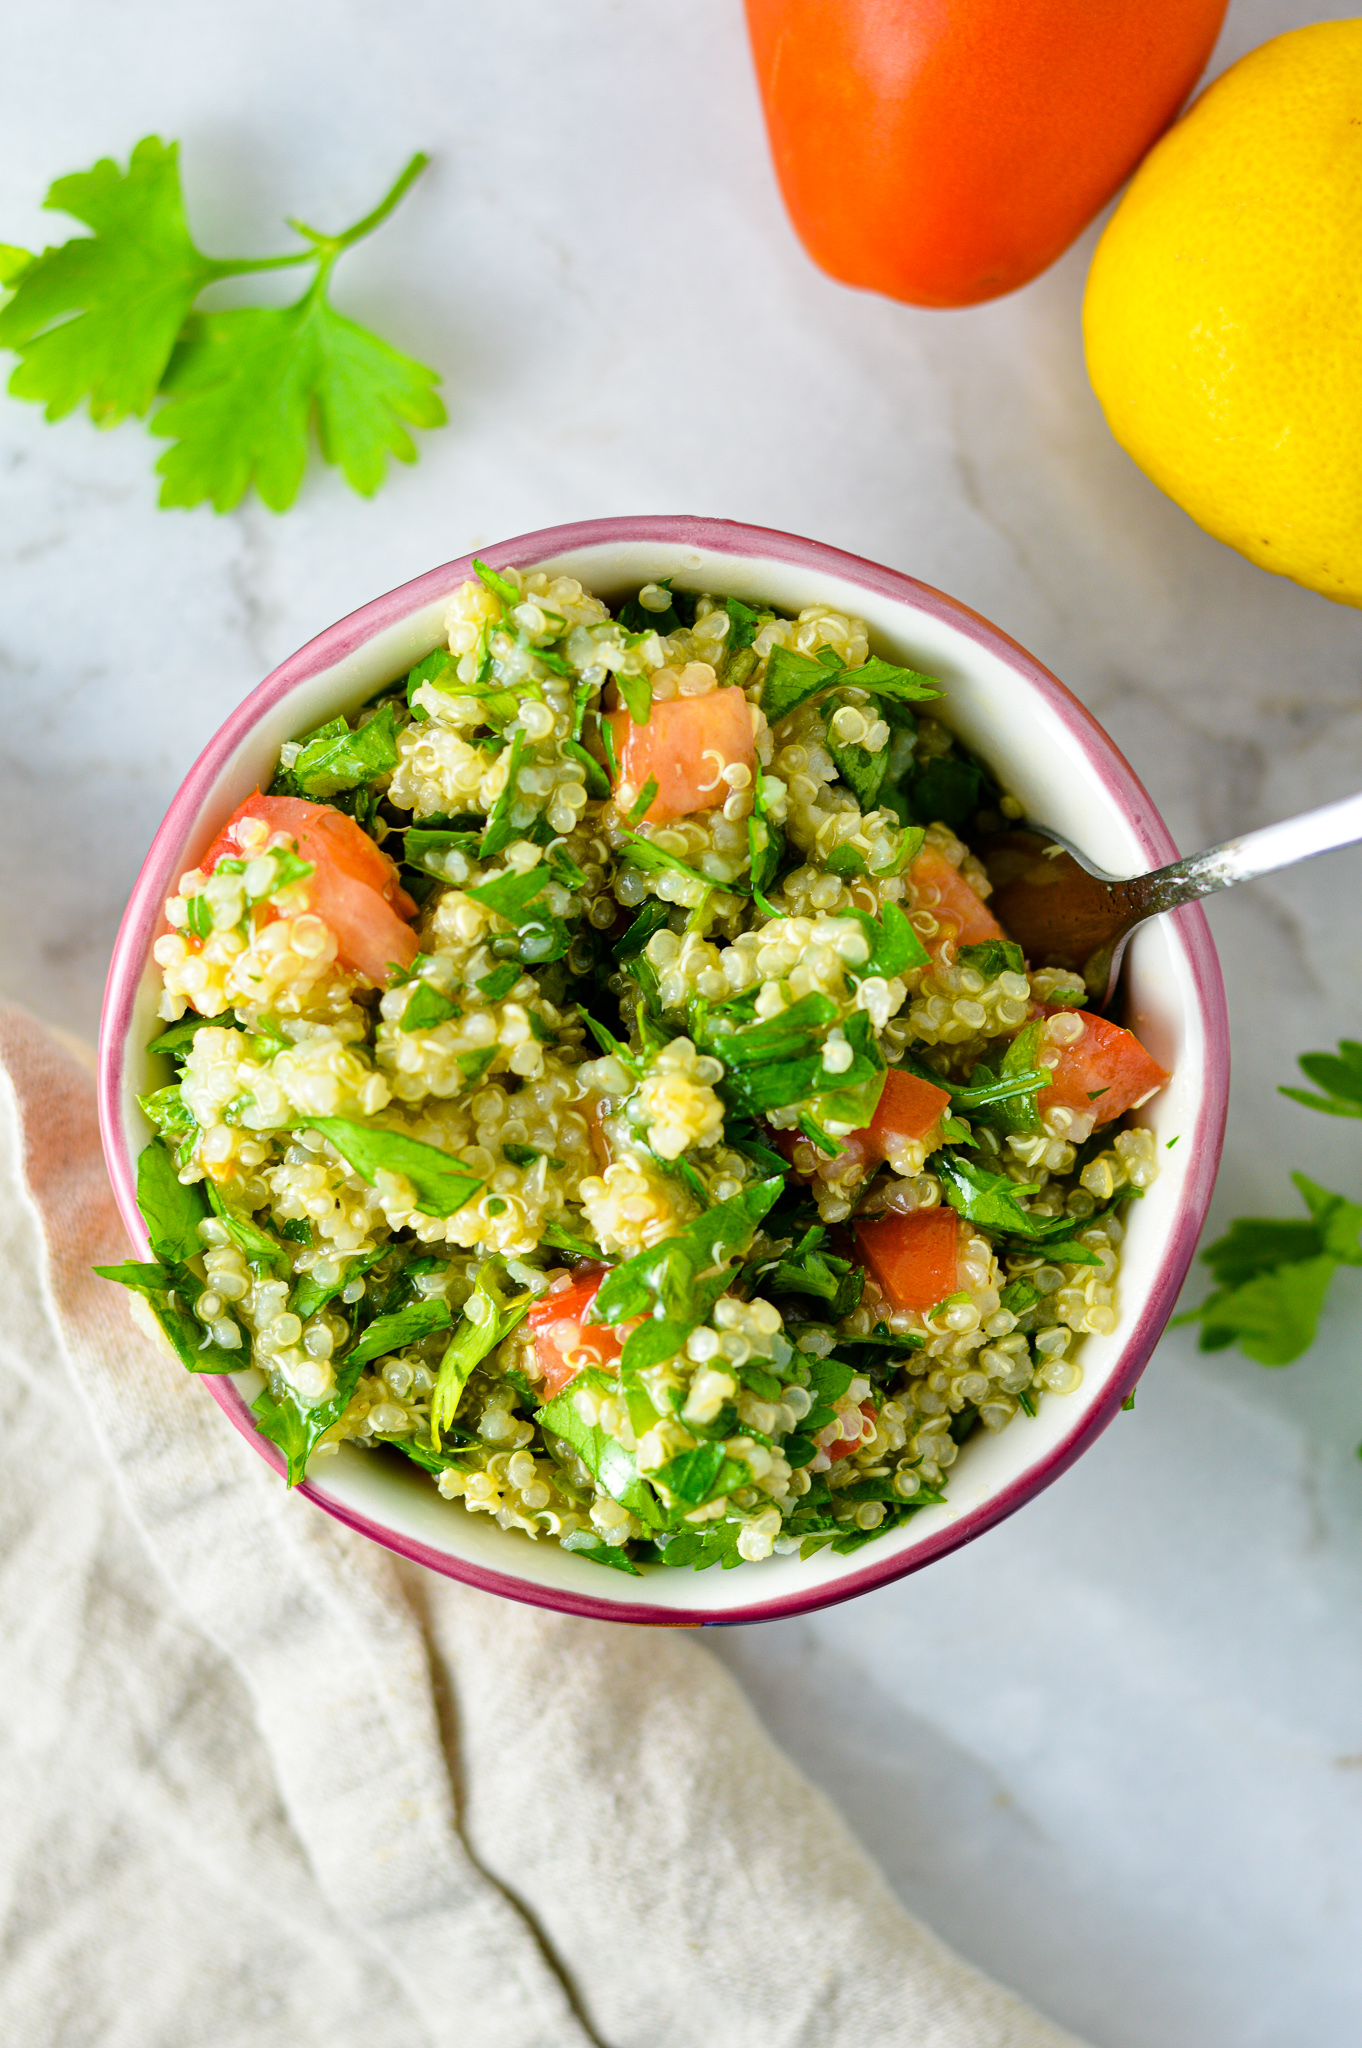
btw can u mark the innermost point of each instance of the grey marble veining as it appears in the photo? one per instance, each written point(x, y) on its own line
point(1113, 1750)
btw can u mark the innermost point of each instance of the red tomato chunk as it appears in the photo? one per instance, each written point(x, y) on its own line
point(943, 890)
point(909, 1113)
point(354, 888)
point(564, 1342)
point(913, 1257)
point(685, 746)
point(1102, 1074)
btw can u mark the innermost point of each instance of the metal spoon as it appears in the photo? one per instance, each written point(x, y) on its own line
point(1064, 912)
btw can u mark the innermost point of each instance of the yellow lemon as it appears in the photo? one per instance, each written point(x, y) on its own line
point(1223, 315)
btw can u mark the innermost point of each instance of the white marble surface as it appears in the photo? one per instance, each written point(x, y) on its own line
point(1114, 1750)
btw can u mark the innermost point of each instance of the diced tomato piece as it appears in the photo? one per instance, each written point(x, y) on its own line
point(943, 890)
point(909, 1113)
point(1102, 1074)
point(354, 887)
point(843, 1447)
point(913, 1257)
point(370, 936)
point(564, 1342)
point(685, 746)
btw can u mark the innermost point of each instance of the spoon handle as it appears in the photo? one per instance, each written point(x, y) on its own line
point(1251, 854)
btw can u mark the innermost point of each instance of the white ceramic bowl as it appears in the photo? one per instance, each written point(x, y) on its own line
point(1067, 773)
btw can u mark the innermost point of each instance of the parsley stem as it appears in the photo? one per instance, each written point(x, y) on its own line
point(245, 266)
point(361, 228)
point(325, 248)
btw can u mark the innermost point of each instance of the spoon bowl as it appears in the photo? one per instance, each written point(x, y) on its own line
point(1061, 910)
point(1064, 911)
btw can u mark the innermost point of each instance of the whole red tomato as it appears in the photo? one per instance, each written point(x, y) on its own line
point(946, 151)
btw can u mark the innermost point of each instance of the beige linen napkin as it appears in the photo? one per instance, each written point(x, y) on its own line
point(260, 1783)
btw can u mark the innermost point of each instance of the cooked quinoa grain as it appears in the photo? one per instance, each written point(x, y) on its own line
point(593, 1073)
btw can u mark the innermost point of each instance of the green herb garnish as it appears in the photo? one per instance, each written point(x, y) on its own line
point(425, 848)
point(910, 844)
point(1338, 1074)
point(682, 1277)
point(987, 1198)
point(765, 845)
point(861, 771)
point(642, 802)
point(637, 692)
point(488, 1317)
point(260, 1248)
point(499, 983)
point(779, 1062)
point(442, 1184)
point(706, 1473)
point(167, 1110)
point(715, 1543)
point(651, 918)
point(169, 1291)
point(473, 1065)
point(512, 892)
point(654, 860)
point(947, 789)
point(172, 1209)
point(810, 1270)
point(500, 830)
point(390, 1333)
point(309, 1295)
point(427, 1007)
point(791, 679)
point(566, 1241)
point(499, 585)
point(106, 320)
point(438, 667)
point(992, 958)
point(610, 1465)
point(176, 1039)
point(337, 756)
point(526, 1156)
point(597, 781)
point(894, 946)
point(1272, 1274)
point(582, 1543)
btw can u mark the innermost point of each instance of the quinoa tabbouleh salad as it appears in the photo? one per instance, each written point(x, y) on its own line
point(599, 1080)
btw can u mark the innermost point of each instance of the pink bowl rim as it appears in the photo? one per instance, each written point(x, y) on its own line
point(720, 536)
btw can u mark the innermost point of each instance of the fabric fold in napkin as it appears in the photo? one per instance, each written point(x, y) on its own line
point(262, 1783)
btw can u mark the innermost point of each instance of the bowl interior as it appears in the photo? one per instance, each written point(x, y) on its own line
point(1043, 747)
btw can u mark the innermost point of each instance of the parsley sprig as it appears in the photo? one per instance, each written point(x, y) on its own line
point(1273, 1274)
point(107, 320)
